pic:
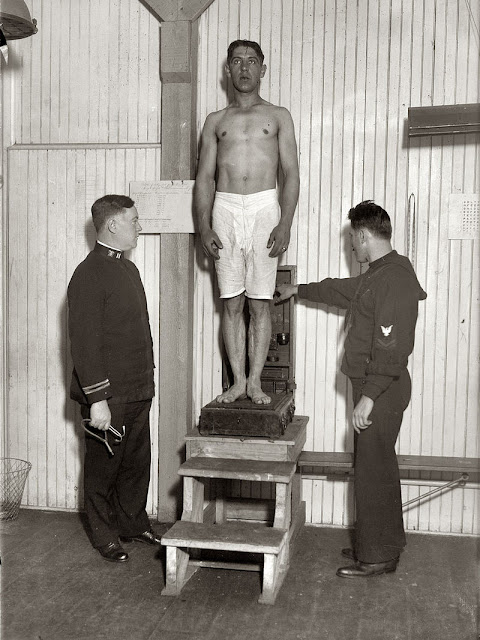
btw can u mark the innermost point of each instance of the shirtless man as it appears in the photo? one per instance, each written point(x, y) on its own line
point(242, 225)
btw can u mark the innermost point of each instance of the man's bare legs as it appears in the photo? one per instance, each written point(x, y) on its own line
point(259, 333)
point(234, 337)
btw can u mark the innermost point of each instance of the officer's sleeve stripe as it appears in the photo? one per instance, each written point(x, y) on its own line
point(99, 386)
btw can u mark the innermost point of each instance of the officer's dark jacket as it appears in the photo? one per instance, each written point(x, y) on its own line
point(382, 312)
point(109, 330)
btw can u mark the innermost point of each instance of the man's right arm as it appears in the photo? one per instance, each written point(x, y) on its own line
point(85, 320)
point(204, 193)
point(336, 292)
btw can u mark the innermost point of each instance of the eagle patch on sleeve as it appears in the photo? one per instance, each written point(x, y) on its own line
point(386, 340)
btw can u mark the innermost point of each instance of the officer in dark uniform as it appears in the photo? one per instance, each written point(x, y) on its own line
point(382, 312)
point(113, 379)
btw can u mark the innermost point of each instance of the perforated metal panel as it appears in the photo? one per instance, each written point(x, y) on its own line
point(463, 216)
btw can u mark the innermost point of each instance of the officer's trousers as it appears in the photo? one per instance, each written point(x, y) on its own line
point(116, 486)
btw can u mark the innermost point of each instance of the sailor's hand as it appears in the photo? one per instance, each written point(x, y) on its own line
point(361, 413)
point(100, 415)
point(211, 244)
point(284, 292)
point(279, 240)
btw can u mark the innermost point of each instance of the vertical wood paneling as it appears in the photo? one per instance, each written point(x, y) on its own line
point(348, 73)
point(90, 74)
point(3, 284)
point(49, 234)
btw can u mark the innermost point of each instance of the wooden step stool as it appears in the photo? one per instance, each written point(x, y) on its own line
point(238, 536)
point(205, 524)
point(285, 448)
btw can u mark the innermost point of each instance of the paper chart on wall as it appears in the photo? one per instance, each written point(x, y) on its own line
point(164, 206)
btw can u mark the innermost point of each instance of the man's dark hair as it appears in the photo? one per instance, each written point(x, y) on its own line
point(368, 215)
point(245, 43)
point(107, 206)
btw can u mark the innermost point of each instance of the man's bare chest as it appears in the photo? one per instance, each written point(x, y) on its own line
point(243, 128)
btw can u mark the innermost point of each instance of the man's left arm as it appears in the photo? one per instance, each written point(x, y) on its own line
point(396, 310)
point(287, 148)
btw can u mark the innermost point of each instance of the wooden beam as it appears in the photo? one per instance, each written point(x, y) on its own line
point(178, 67)
point(175, 367)
point(178, 160)
point(175, 52)
point(173, 10)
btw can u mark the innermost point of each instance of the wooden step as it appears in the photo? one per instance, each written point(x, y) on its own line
point(256, 470)
point(231, 536)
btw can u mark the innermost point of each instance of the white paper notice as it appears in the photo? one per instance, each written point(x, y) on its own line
point(165, 206)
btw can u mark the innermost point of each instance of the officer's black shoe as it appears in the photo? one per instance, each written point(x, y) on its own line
point(365, 570)
point(113, 552)
point(148, 537)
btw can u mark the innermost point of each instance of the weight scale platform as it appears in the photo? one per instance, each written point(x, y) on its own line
point(244, 418)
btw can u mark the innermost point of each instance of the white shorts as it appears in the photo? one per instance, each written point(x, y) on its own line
point(244, 224)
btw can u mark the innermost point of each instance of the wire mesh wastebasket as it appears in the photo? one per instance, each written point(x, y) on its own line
point(13, 475)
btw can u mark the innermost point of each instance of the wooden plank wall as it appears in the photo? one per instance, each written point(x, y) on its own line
point(82, 106)
point(348, 71)
point(50, 232)
point(3, 285)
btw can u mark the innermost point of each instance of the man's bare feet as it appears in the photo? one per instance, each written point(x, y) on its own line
point(235, 392)
point(256, 395)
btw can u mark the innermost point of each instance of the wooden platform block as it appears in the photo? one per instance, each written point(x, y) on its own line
point(284, 448)
point(243, 537)
point(254, 470)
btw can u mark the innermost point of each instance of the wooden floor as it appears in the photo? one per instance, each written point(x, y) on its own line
point(55, 586)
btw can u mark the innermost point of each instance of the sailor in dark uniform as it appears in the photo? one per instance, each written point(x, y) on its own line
point(112, 379)
point(382, 312)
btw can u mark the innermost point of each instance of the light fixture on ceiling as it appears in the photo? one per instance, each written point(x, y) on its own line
point(15, 20)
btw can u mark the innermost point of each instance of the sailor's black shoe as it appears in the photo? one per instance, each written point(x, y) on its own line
point(113, 552)
point(365, 570)
point(147, 537)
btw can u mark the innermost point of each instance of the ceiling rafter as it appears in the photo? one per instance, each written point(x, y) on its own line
point(177, 10)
